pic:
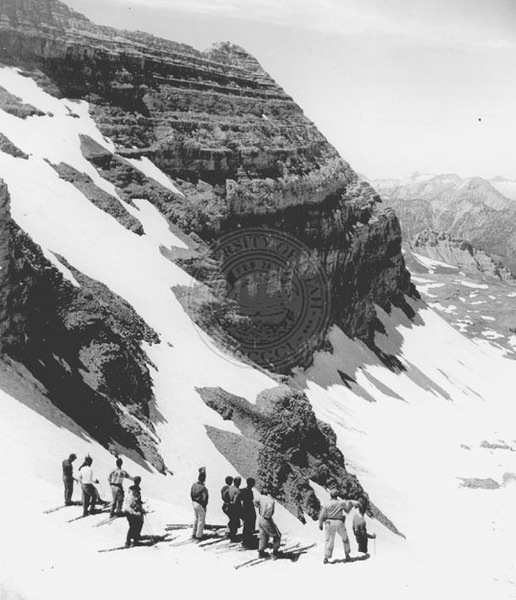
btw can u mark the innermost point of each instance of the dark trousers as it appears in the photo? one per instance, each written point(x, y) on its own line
point(362, 542)
point(135, 528)
point(68, 490)
point(89, 497)
point(249, 518)
point(234, 521)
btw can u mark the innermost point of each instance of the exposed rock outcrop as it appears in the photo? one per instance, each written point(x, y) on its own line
point(457, 252)
point(82, 342)
point(286, 447)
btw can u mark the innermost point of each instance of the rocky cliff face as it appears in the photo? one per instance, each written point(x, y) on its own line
point(455, 251)
point(240, 151)
point(82, 342)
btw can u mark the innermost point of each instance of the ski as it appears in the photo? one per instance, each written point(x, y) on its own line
point(292, 553)
point(212, 542)
point(172, 526)
point(184, 542)
point(98, 512)
point(145, 543)
point(55, 509)
point(107, 521)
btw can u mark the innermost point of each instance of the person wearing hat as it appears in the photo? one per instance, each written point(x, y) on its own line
point(332, 518)
point(68, 478)
point(134, 512)
point(199, 496)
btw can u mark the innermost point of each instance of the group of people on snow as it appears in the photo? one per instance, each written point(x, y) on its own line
point(131, 508)
point(239, 504)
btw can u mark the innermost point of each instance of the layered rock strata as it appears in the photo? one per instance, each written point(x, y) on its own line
point(239, 151)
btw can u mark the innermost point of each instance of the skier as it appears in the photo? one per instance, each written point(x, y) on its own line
point(235, 507)
point(116, 478)
point(332, 517)
point(360, 529)
point(68, 479)
point(199, 495)
point(266, 525)
point(89, 492)
point(248, 514)
point(134, 512)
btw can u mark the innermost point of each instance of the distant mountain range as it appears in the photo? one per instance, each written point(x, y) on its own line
point(474, 209)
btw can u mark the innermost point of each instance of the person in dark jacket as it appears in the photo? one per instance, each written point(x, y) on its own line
point(199, 495)
point(68, 479)
point(235, 507)
point(248, 514)
point(133, 508)
point(360, 529)
point(223, 494)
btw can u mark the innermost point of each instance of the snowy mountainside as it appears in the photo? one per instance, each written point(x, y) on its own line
point(470, 290)
point(432, 441)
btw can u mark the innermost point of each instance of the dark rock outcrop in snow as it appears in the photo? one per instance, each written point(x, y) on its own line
point(286, 447)
point(99, 197)
point(82, 343)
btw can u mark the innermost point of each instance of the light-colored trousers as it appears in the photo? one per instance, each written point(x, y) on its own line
point(331, 527)
point(268, 530)
point(199, 520)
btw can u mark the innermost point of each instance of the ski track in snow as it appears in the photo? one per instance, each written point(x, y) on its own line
point(412, 444)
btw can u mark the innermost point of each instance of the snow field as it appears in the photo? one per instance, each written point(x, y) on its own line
point(404, 434)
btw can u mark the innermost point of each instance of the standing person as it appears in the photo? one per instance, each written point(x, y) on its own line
point(223, 493)
point(266, 525)
point(233, 495)
point(360, 529)
point(68, 479)
point(89, 492)
point(248, 514)
point(134, 512)
point(199, 495)
point(332, 517)
point(116, 478)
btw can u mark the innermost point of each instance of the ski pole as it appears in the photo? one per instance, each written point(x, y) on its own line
point(147, 525)
point(374, 544)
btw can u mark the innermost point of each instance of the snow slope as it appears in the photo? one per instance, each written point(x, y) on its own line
point(416, 439)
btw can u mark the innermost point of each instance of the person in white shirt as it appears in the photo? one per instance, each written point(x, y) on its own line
point(89, 492)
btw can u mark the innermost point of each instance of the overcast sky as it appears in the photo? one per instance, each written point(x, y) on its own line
point(396, 86)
